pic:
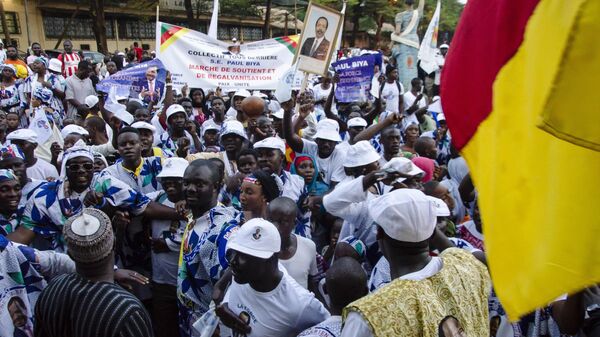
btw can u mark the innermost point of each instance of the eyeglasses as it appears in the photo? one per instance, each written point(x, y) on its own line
point(77, 167)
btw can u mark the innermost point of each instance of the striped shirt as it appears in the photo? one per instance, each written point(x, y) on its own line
point(70, 63)
point(73, 306)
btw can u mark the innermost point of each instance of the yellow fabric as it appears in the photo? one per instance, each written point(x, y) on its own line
point(415, 308)
point(137, 169)
point(580, 61)
point(157, 152)
point(538, 194)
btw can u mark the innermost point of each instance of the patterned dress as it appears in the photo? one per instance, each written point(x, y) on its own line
point(202, 262)
point(52, 204)
point(9, 97)
point(57, 82)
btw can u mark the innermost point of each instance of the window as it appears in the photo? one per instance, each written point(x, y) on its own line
point(135, 29)
point(228, 32)
point(252, 33)
point(80, 27)
point(12, 21)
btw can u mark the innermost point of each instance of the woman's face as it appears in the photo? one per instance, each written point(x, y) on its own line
point(412, 132)
point(251, 197)
point(98, 165)
point(12, 121)
point(197, 97)
point(7, 73)
point(306, 170)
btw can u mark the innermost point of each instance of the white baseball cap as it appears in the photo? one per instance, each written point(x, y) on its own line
point(55, 65)
point(440, 117)
point(441, 209)
point(271, 143)
point(278, 114)
point(233, 127)
point(23, 134)
point(257, 237)
point(210, 125)
point(242, 93)
point(444, 46)
point(91, 101)
point(173, 167)
point(328, 129)
point(73, 128)
point(143, 125)
point(403, 165)
point(405, 215)
point(173, 109)
point(361, 153)
point(356, 121)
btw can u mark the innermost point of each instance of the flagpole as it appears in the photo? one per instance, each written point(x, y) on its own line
point(157, 13)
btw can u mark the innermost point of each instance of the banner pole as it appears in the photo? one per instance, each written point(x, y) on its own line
point(157, 13)
point(302, 89)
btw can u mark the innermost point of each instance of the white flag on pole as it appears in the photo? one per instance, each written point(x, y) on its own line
point(214, 20)
point(428, 49)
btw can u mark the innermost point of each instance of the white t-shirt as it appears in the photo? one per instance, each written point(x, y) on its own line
point(331, 167)
point(391, 94)
point(331, 327)
point(42, 170)
point(304, 262)
point(284, 311)
point(409, 99)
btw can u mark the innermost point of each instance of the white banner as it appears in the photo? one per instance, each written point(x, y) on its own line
point(428, 49)
point(202, 62)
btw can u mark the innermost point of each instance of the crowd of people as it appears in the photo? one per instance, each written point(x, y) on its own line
point(202, 212)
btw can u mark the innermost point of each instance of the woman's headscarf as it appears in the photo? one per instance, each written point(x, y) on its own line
point(427, 165)
point(43, 94)
point(315, 187)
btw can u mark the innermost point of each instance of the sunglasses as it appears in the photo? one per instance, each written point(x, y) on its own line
point(77, 167)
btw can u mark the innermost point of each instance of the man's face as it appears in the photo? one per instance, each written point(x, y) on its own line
point(68, 46)
point(151, 73)
point(442, 192)
point(452, 328)
point(71, 139)
point(146, 139)
point(284, 221)
point(187, 106)
point(247, 164)
point(232, 142)
point(417, 85)
point(25, 146)
point(177, 120)
point(218, 108)
point(355, 130)
point(37, 49)
point(111, 67)
point(141, 115)
point(432, 150)
point(278, 125)
point(444, 51)
point(266, 126)
point(129, 147)
point(320, 28)
point(393, 75)
point(80, 171)
point(84, 72)
point(270, 160)
point(12, 121)
point(325, 147)
point(173, 187)
point(10, 194)
point(98, 165)
point(210, 137)
point(246, 268)
point(391, 142)
point(18, 166)
point(198, 188)
point(11, 53)
point(18, 314)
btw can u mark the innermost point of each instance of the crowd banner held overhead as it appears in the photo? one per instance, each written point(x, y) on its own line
point(131, 81)
point(355, 78)
point(537, 192)
point(428, 49)
point(319, 39)
point(203, 62)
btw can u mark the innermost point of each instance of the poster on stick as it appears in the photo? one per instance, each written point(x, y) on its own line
point(355, 75)
point(203, 62)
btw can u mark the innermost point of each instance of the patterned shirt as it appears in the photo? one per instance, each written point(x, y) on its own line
point(51, 206)
point(143, 179)
point(8, 225)
point(202, 262)
point(57, 82)
point(70, 63)
point(331, 327)
point(9, 97)
point(169, 147)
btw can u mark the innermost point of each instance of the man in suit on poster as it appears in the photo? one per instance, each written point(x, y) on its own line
point(318, 46)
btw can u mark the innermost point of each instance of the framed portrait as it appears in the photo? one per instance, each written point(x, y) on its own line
point(318, 39)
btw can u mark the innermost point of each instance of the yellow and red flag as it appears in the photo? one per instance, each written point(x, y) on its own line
point(518, 91)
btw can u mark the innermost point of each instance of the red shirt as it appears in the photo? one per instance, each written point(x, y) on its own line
point(138, 53)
